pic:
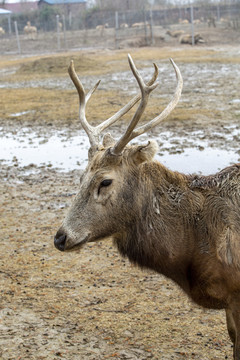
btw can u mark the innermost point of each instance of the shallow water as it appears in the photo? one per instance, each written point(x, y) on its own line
point(205, 162)
point(65, 152)
point(57, 151)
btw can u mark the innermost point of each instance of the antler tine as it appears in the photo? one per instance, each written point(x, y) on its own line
point(89, 94)
point(169, 108)
point(91, 131)
point(145, 92)
point(128, 106)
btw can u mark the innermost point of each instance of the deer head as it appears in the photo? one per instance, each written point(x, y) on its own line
point(108, 199)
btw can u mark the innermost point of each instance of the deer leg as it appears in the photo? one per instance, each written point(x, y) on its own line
point(236, 316)
point(233, 324)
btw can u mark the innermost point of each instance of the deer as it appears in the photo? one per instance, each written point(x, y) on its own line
point(187, 39)
point(175, 33)
point(2, 31)
point(140, 24)
point(186, 227)
point(30, 31)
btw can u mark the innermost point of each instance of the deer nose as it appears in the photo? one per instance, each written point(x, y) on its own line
point(60, 240)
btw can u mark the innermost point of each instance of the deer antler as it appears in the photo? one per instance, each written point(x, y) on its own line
point(83, 99)
point(94, 132)
point(145, 90)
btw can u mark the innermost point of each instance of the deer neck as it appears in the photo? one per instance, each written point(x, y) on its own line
point(156, 239)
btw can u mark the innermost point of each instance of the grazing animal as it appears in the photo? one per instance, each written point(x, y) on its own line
point(124, 26)
point(101, 27)
point(211, 21)
point(59, 26)
point(30, 31)
point(186, 227)
point(140, 24)
point(187, 39)
point(197, 21)
point(175, 33)
point(2, 31)
point(183, 21)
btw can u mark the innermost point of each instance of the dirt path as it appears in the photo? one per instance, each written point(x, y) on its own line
point(93, 304)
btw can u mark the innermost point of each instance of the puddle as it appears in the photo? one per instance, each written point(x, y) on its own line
point(22, 113)
point(64, 152)
point(58, 151)
point(204, 162)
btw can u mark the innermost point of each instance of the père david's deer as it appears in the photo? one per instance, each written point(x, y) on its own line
point(186, 227)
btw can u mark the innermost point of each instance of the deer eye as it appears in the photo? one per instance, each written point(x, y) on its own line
point(104, 183)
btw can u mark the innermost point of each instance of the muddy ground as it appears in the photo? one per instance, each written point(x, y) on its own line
point(93, 304)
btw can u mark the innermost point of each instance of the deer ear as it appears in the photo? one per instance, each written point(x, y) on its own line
point(108, 140)
point(142, 153)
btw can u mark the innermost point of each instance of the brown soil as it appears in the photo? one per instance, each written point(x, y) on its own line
point(93, 304)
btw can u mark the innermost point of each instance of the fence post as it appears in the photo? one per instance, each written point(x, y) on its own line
point(145, 26)
point(58, 32)
point(116, 29)
point(218, 13)
point(17, 37)
point(116, 20)
point(64, 32)
point(9, 25)
point(192, 26)
point(151, 21)
point(151, 26)
point(70, 20)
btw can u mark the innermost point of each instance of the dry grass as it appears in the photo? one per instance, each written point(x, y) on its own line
point(42, 106)
point(105, 61)
point(60, 106)
point(48, 106)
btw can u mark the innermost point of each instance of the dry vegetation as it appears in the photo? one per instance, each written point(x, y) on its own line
point(58, 105)
point(90, 305)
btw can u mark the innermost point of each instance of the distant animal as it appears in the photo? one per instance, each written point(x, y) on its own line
point(175, 33)
point(30, 31)
point(2, 31)
point(140, 24)
point(185, 21)
point(101, 27)
point(59, 25)
point(187, 39)
point(134, 42)
point(123, 26)
point(197, 21)
point(186, 227)
point(211, 21)
point(224, 21)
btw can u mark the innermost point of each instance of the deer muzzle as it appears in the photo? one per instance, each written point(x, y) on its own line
point(64, 242)
point(60, 240)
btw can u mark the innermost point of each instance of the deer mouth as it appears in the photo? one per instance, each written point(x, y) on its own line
point(79, 245)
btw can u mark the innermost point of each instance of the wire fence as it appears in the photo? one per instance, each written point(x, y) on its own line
point(34, 33)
